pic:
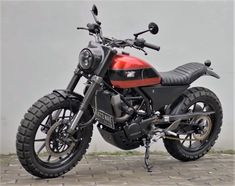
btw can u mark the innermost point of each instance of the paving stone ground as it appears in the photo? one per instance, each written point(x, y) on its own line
point(103, 170)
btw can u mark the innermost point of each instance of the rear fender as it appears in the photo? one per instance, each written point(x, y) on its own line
point(174, 108)
point(209, 72)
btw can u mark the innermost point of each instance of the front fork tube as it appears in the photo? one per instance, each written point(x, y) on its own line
point(74, 81)
point(96, 80)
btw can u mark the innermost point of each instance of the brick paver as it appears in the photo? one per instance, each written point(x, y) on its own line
point(211, 170)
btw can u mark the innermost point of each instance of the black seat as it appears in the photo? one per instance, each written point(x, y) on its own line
point(183, 75)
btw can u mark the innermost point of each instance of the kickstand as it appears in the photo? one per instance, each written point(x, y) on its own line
point(146, 155)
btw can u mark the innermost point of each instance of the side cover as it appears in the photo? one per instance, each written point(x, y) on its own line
point(163, 95)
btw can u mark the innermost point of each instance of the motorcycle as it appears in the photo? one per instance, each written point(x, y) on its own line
point(131, 103)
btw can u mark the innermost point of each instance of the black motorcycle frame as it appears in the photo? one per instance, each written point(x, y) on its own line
point(127, 114)
point(154, 97)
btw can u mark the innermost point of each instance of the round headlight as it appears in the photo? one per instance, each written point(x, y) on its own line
point(89, 59)
point(86, 59)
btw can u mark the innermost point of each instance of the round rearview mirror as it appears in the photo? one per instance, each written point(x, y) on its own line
point(153, 28)
point(94, 10)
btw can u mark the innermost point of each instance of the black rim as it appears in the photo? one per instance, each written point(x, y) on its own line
point(193, 141)
point(60, 117)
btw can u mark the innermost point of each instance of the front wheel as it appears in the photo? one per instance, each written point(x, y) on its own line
point(42, 146)
point(196, 143)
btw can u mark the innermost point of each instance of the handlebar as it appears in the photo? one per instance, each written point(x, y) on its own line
point(96, 31)
point(154, 47)
point(142, 43)
point(136, 43)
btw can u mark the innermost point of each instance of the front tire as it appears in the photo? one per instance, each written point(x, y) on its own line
point(195, 96)
point(41, 111)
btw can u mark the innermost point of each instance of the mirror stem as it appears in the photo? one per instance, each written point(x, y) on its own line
point(95, 18)
point(139, 33)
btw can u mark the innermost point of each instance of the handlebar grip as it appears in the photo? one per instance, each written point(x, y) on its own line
point(154, 47)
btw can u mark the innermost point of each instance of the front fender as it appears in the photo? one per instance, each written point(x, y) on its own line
point(67, 94)
point(73, 95)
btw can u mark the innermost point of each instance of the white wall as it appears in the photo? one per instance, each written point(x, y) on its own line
point(40, 46)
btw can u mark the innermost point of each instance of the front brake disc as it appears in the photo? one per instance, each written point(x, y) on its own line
point(66, 149)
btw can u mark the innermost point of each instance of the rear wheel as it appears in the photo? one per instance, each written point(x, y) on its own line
point(196, 143)
point(42, 146)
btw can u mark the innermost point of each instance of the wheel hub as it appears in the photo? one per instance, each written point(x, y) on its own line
point(205, 126)
point(56, 143)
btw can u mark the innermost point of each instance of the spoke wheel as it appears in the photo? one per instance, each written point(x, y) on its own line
point(195, 140)
point(198, 140)
point(50, 144)
point(43, 146)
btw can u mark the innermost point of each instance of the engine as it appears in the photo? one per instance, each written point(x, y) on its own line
point(118, 121)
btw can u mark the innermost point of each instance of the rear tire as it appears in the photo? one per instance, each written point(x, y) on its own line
point(27, 133)
point(197, 94)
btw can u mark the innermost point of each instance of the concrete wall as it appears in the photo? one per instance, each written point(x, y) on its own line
point(40, 46)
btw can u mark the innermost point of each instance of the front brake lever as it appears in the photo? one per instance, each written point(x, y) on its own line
point(139, 48)
point(145, 53)
point(131, 43)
